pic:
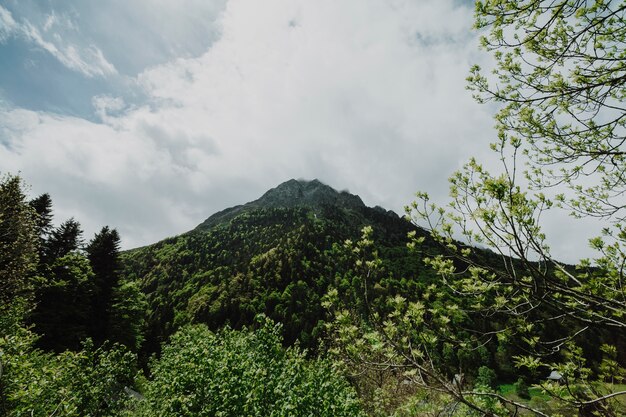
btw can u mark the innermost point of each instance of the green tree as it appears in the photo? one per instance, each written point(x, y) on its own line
point(560, 77)
point(64, 304)
point(242, 373)
point(43, 208)
point(62, 240)
point(127, 315)
point(486, 377)
point(103, 252)
point(407, 342)
point(37, 383)
point(89, 382)
point(18, 243)
point(521, 388)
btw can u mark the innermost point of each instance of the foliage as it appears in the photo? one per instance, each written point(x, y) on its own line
point(63, 312)
point(127, 315)
point(521, 388)
point(237, 373)
point(43, 209)
point(78, 292)
point(409, 340)
point(33, 382)
point(18, 247)
point(103, 253)
point(63, 240)
point(560, 75)
point(87, 382)
point(486, 377)
point(277, 261)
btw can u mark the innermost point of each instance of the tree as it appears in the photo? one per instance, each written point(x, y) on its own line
point(237, 373)
point(89, 382)
point(43, 208)
point(561, 78)
point(64, 304)
point(406, 340)
point(560, 75)
point(18, 252)
point(36, 383)
point(64, 239)
point(103, 253)
point(65, 287)
point(127, 315)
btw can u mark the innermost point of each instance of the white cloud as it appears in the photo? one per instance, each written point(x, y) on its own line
point(105, 105)
point(364, 94)
point(8, 26)
point(88, 60)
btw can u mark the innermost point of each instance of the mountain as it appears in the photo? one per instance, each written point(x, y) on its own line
point(313, 195)
point(277, 255)
point(281, 254)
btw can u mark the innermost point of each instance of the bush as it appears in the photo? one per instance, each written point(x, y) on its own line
point(486, 377)
point(243, 373)
point(86, 383)
point(521, 389)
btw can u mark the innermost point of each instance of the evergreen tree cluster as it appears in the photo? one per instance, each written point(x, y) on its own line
point(78, 290)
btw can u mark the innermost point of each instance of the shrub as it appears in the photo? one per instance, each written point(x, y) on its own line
point(521, 389)
point(243, 373)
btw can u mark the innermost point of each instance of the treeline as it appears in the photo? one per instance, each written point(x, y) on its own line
point(78, 291)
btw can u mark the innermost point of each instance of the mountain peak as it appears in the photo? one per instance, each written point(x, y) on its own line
point(307, 193)
point(292, 193)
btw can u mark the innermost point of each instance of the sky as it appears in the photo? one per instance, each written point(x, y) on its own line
point(151, 115)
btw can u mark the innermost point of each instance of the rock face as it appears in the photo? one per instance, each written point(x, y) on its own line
point(293, 193)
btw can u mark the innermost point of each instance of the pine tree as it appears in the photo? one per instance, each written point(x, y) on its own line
point(103, 254)
point(43, 208)
point(18, 249)
point(64, 239)
point(64, 304)
point(64, 297)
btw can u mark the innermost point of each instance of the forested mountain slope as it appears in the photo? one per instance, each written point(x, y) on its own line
point(281, 254)
point(277, 255)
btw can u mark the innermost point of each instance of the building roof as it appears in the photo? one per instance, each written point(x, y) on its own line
point(555, 376)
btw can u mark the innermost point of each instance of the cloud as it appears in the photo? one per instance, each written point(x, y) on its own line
point(8, 26)
point(88, 60)
point(132, 35)
point(365, 95)
point(105, 105)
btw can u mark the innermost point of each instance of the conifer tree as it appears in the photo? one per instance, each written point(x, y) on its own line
point(43, 208)
point(18, 245)
point(64, 295)
point(103, 254)
point(64, 239)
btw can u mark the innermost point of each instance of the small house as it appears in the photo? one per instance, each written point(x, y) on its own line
point(555, 376)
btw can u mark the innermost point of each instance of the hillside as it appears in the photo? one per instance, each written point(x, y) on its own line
point(280, 254)
point(277, 255)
